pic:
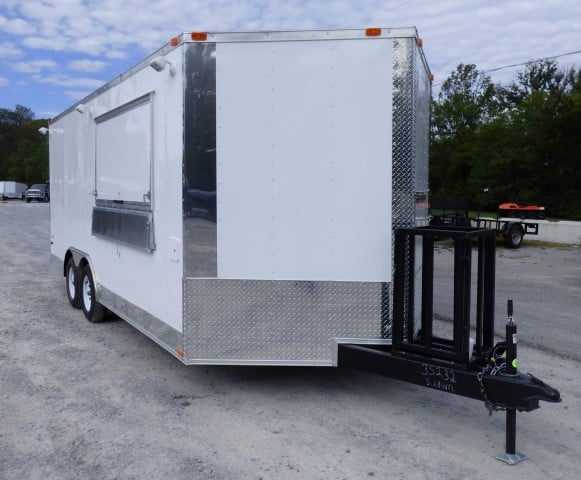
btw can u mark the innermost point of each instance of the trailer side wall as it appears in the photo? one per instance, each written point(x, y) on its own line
point(120, 154)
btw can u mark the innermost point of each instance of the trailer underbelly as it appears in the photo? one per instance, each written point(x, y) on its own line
point(241, 322)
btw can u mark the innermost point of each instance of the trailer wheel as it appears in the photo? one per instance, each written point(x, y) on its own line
point(93, 310)
point(73, 285)
point(514, 237)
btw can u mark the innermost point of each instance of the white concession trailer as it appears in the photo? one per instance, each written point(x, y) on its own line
point(262, 198)
point(234, 195)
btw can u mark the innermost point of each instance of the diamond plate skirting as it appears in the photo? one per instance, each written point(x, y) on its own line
point(277, 322)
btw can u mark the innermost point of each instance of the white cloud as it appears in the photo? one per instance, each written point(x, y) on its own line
point(4, 82)
point(108, 27)
point(17, 26)
point(489, 34)
point(87, 65)
point(44, 43)
point(76, 94)
point(47, 114)
point(116, 54)
point(34, 66)
point(9, 50)
point(68, 81)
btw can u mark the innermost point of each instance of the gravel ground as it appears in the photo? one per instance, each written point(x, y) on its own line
point(85, 401)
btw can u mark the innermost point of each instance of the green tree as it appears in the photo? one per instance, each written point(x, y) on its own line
point(545, 121)
point(523, 141)
point(467, 99)
point(539, 76)
point(23, 151)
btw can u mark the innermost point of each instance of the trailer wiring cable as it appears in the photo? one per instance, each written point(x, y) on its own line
point(490, 370)
point(494, 364)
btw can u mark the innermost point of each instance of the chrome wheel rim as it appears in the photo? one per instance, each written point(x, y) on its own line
point(87, 298)
point(71, 283)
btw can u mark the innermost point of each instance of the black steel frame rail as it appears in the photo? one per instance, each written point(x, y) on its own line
point(520, 392)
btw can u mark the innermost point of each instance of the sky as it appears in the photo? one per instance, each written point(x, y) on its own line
point(55, 52)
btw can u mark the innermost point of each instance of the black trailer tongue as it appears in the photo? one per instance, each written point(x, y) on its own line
point(469, 364)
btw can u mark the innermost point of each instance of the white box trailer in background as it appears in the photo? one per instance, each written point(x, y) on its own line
point(12, 190)
point(233, 196)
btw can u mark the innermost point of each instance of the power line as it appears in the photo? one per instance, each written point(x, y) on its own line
point(522, 64)
point(369, 18)
point(261, 16)
point(531, 61)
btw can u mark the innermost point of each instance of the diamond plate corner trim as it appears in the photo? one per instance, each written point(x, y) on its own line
point(411, 103)
point(422, 97)
point(421, 135)
point(403, 201)
point(410, 138)
point(158, 331)
point(403, 184)
point(277, 322)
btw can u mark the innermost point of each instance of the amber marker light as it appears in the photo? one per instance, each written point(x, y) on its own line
point(180, 353)
point(420, 43)
point(199, 36)
point(174, 42)
point(373, 32)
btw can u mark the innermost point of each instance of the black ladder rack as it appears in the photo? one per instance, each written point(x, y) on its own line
point(424, 343)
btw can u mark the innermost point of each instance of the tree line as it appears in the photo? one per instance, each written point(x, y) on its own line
point(23, 151)
point(521, 142)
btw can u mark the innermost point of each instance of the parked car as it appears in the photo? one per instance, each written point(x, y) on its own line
point(38, 191)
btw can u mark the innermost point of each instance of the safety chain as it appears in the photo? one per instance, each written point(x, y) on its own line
point(480, 375)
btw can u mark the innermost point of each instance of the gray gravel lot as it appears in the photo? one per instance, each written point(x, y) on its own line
point(101, 401)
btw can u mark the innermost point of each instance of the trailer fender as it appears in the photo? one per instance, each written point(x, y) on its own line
point(81, 259)
point(68, 256)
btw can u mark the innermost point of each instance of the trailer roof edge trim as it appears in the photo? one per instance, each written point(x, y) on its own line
point(266, 36)
point(302, 35)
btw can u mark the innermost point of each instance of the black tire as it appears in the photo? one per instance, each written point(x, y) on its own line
point(93, 310)
point(514, 237)
point(73, 283)
point(27, 200)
